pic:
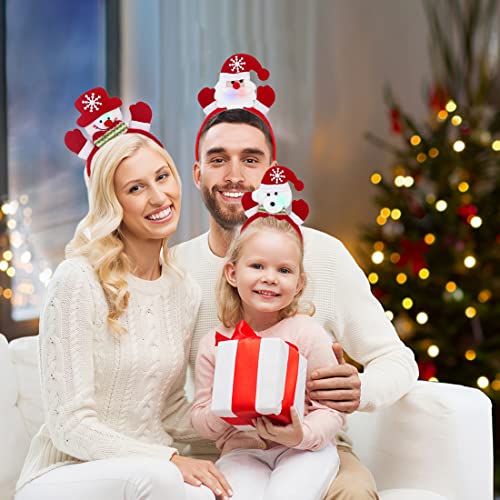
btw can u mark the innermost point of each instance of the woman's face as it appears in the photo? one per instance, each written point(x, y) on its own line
point(149, 195)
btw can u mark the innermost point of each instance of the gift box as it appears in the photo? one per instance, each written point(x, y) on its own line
point(257, 376)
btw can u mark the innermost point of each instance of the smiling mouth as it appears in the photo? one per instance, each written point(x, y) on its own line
point(160, 216)
point(232, 195)
point(266, 293)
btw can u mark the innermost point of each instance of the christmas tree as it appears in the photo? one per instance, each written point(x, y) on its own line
point(433, 255)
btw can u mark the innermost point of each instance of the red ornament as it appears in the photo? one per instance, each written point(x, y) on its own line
point(396, 126)
point(426, 369)
point(438, 98)
point(412, 253)
point(466, 212)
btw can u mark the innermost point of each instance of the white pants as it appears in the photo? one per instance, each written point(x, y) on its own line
point(114, 479)
point(279, 473)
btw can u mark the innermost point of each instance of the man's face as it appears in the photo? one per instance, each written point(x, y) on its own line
point(233, 160)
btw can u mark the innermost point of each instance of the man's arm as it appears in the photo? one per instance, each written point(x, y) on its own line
point(368, 337)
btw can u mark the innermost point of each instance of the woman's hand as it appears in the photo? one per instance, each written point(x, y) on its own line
point(288, 435)
point(198, 472)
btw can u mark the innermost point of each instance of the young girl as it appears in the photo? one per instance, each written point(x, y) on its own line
point(261, 283)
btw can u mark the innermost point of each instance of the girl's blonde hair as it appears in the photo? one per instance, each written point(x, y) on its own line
point(97, 236)
point(229, 305)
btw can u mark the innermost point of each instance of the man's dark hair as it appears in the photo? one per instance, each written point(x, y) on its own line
point(239, 116)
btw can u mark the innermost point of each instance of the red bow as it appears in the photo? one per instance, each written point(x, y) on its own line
point(242, 331)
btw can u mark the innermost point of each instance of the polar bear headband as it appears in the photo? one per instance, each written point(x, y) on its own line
point(273, 198)
point(101, 117)
point(235, 90)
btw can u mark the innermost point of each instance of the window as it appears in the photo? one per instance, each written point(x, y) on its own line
point(51, 53)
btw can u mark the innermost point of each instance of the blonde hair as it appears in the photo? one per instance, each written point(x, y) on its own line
point(97, 236)
point(229, 304)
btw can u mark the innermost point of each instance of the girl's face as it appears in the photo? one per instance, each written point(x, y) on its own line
point(267, 276)
point(149, 195)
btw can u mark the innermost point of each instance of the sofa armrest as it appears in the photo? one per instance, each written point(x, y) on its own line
point(438, 437)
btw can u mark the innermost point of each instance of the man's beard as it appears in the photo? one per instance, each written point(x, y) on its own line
point(228, 217)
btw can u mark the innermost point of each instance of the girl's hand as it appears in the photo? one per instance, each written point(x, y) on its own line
point(288, 435)
point(198, 472)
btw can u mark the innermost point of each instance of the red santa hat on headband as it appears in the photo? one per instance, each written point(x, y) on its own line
point(277, 179)
point(238, 67)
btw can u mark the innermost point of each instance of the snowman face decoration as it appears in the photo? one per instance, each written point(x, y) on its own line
point(273, 199)
point(104, 122)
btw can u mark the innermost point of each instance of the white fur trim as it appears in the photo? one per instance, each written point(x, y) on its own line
point(86, 150)
point(208, 109)
point(140, 125)
point(229, 77)
point(260, 107)
point(296, 219)
point(275, 187)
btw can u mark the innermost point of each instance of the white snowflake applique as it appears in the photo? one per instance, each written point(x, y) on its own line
point(277, 175)
point(237, 64)
point(92, 102)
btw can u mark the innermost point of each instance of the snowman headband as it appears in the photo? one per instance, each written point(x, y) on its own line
point(273, 198)
point(102, 120)
point(235, 90)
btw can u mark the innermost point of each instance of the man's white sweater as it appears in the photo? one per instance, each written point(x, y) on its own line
point(345, 307)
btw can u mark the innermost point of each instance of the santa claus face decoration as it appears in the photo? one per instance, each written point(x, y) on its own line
point(233, 94)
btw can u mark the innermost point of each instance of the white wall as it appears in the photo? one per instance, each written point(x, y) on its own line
point(329, 61)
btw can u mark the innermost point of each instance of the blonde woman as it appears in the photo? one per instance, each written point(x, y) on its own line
point(115, 332)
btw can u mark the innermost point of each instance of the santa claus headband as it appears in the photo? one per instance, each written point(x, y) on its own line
point(101, 117)
point(273, 198)
point(235, 90)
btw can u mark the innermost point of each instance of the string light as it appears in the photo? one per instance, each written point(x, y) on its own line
point(373, 278)
point(484, 296)
point(456, 120)
point(376, 178)
point(451, 286)
point(469, 261)
point(459, 146)
point(476, 221)
point(377, 257)
point(483, 382)
point(407, 303)
point(495, 145)
point(441, 205)
point(433, 351)
point(451, 106)
point(424, 273)
point(429, 238)
point(433, 379)
point(470, 312)
point(421, 157)
point(389, 314)
point(463, 187)
point(422, 318)
point(470, 355)
point(442, 115)
point(395, 257)
point(396, 214)
point(433, 152)
point(401, 278)
point(415, 140)
point(379, 245)
point(495, 385)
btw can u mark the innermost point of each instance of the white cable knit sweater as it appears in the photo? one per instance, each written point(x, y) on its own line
point(108, 395)
point(345, 307)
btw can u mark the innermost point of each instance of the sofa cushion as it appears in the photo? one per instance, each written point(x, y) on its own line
point(24, 355)
point(14, 437)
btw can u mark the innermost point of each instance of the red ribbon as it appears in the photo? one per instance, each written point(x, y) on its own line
point(246, 374)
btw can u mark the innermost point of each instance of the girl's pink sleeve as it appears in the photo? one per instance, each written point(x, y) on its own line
point(202, 418)
point(321, 424)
